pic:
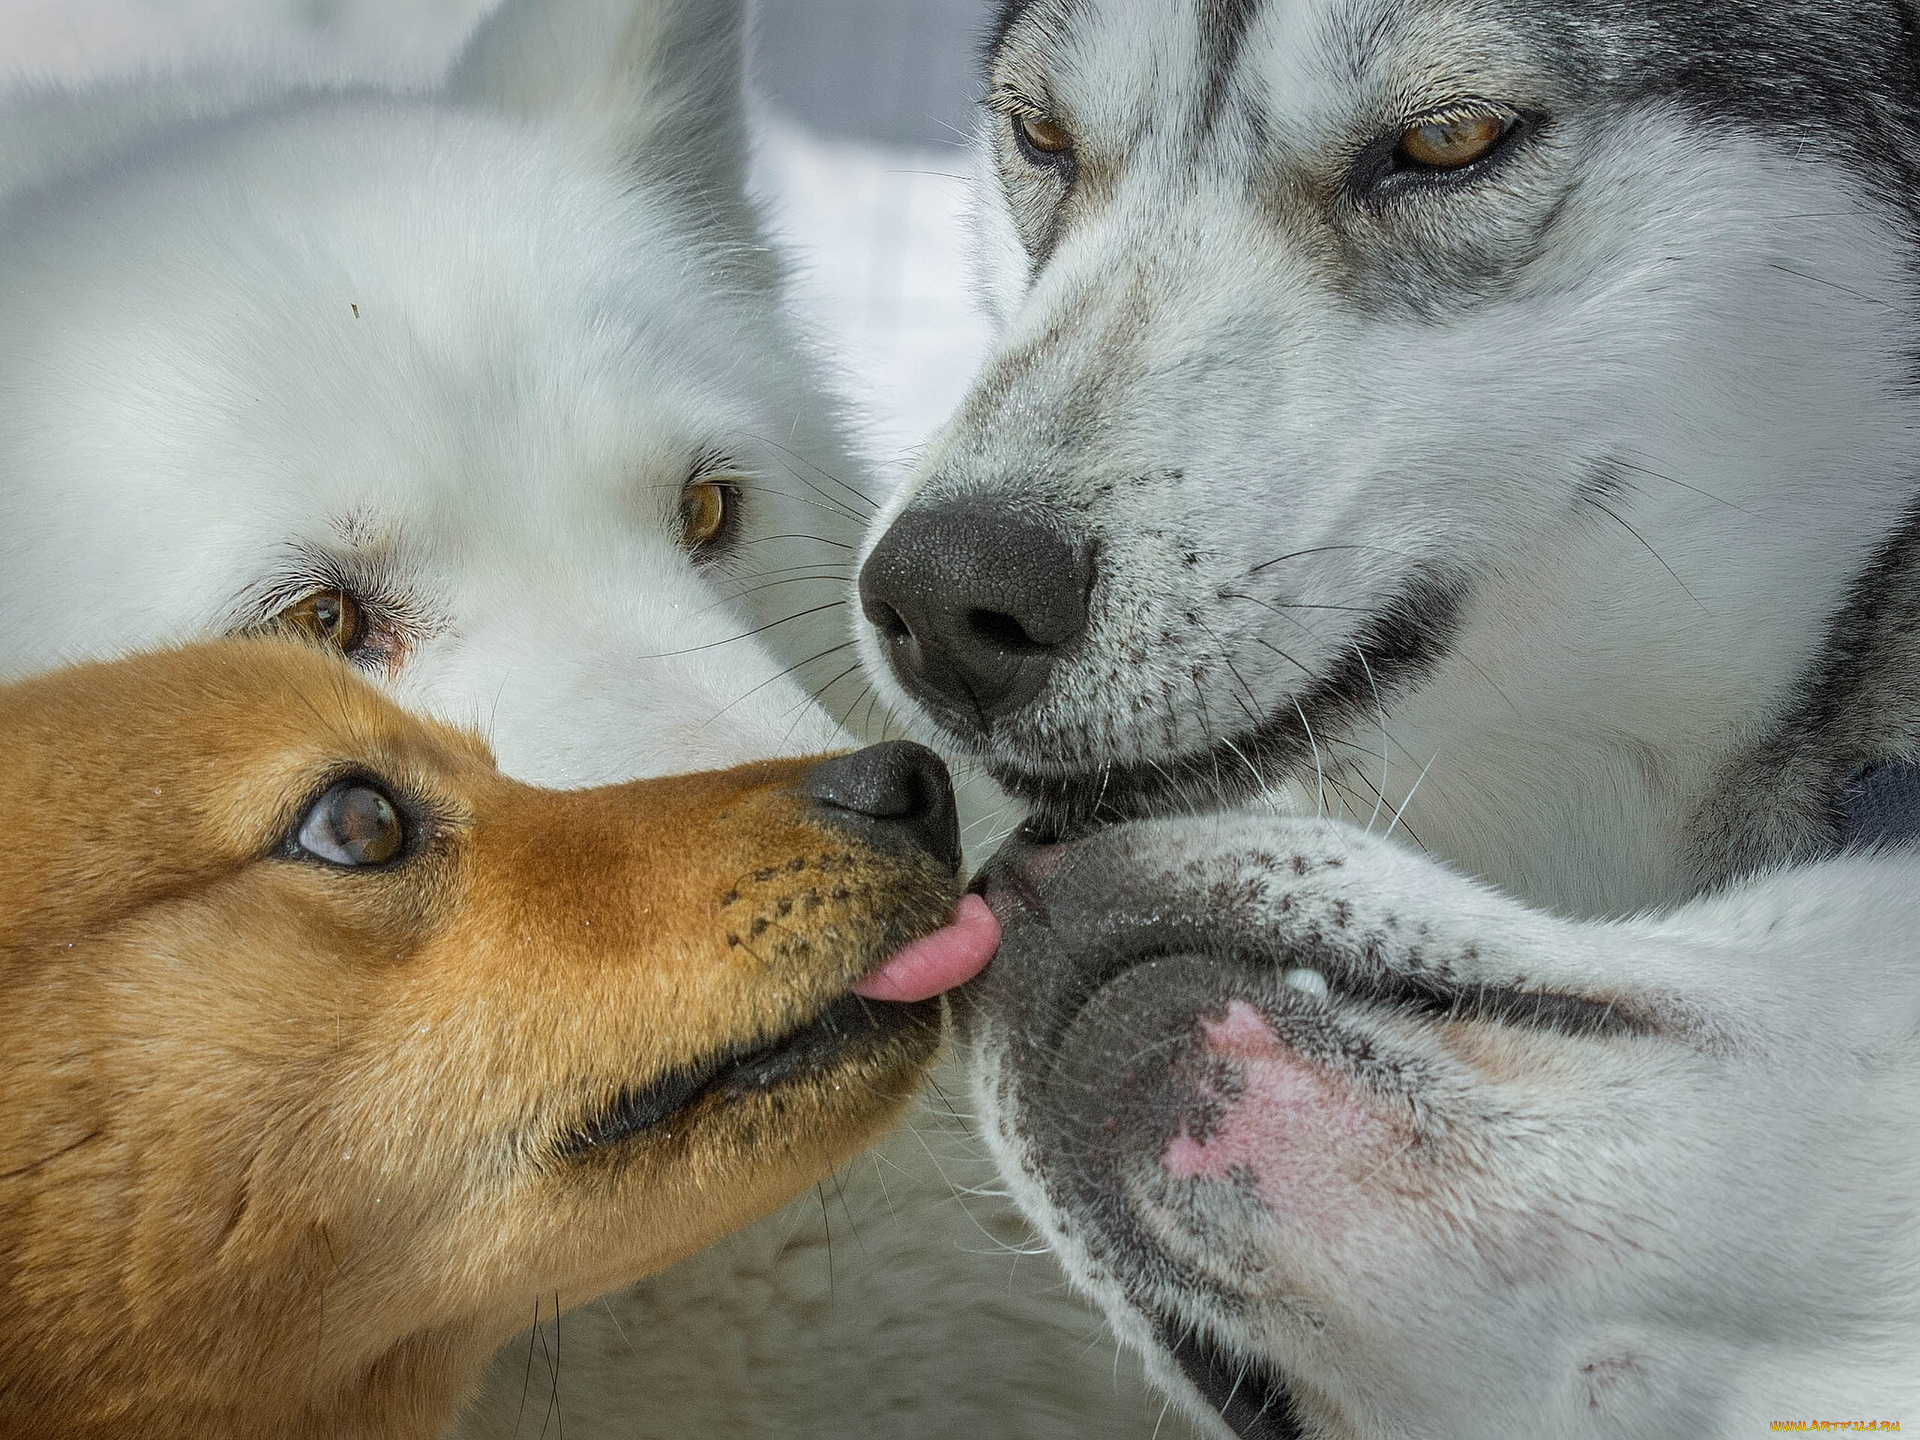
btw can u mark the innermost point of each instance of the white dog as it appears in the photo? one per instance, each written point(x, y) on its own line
point(492, 388)
point(1354, 1147)
point(1492, 421)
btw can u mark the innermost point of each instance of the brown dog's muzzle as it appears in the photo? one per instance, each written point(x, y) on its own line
point(860, 856)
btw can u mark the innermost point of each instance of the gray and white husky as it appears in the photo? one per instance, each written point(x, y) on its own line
point(1493, 421)
point(1351, 1146)
point(1523, 391)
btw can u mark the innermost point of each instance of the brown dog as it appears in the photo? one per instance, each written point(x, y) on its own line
point(326, 1051)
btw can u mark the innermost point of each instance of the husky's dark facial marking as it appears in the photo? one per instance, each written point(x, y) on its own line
point(1352, 1147)
point(1475, 414)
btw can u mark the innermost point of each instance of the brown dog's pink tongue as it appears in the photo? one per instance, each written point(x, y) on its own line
point(933, 964)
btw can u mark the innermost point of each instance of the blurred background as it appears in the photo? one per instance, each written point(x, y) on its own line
point(864, 108)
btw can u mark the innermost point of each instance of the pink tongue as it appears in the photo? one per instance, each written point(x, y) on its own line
point(935, 963)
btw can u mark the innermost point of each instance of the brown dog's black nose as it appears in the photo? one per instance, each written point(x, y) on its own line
point(975, 605)
point(896, 795)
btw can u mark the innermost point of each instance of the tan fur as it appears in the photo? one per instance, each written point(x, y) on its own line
point(278, 1141)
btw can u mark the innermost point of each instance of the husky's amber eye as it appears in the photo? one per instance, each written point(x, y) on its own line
point(328, 617)
point(1448, 142)
point(707, 512)
point(354, 825)
point(1046, 137)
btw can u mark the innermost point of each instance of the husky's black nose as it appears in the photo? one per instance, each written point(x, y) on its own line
point(975, 605)
point(895, 795)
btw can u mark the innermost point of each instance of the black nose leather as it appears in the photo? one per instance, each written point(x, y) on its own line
point(895, 795)
point(975, 605)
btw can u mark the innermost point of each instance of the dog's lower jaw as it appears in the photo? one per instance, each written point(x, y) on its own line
point(1076, 1242)
point(410, 1392)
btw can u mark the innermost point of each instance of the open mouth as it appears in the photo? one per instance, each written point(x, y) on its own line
point(1254, 1404)
point(849, 1027)
point(1198, 974)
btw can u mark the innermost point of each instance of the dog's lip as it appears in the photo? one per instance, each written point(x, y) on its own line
point(1014, 885)
point(1252, 1402)
point(1011, 882)
point(812, 1045)
point(1421, 997)
point(901, 991)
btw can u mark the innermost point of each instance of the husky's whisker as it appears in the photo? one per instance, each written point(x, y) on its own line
point(1388, 835)
point(1319, 770)
point(1322, 550)
point(1279, 607)
point(1614, 515)
point(1380, 709)
point(1263, 642)
point(1833, 285)
point(1652, 474)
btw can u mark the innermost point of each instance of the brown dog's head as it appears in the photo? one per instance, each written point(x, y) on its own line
point(326, 1047)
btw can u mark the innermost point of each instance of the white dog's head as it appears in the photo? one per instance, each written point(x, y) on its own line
point(490, 387)
point(1351, 1147)
point(1515, 389)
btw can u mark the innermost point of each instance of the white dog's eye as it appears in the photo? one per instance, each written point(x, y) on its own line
point(708, 512)
point(1451, 141)
point(331, 617)
point(353, 824)
point(1042, 138)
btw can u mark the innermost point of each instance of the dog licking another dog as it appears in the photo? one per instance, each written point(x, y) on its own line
point(1497, 419)
point(330, 1050)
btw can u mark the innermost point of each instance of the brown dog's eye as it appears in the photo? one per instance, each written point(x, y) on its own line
point(329, 617)
point(353, 824)
point(1448, 142)
point(1038, 133)
point(707, 512)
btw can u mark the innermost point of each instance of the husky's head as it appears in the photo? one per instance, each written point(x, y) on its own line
point(1513, 390)
point(1351, 1147)
point(491, 388)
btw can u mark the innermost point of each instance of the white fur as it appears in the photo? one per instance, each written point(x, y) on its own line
point(466, 347)
point(1685, 1233)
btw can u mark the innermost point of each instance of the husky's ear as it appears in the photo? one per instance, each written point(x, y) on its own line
point(655, 85)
